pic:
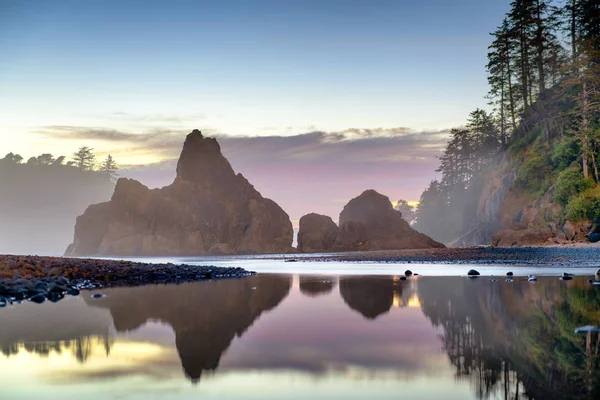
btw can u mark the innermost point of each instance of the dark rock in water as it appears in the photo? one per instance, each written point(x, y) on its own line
point(208, 209)
point(3, 302)
point(54, 288)
point(509, 280)
point(415, 274)
point(493, 280)
point(509, 273)
point(97, 296)
point(598, 272)
point(3, 290)
point(408, 272)
point(566, 278)
point(38, 298)
point(473, 272)
point(73, 292)
point(292, 260)
point(369, 222)
point(402, 278)
point(565, 274)
point(55, 296)
point(317, 233)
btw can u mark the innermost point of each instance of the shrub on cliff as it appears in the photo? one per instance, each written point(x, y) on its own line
point(585, 206)
point(569, 183)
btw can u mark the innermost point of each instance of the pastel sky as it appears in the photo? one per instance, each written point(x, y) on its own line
point(133, 77)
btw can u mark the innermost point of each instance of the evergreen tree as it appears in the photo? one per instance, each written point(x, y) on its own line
point(109, 167)
point(84, 158)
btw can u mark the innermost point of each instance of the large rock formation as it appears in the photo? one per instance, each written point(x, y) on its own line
point(508, 216)
point(367, 222)
point(317, 233)
point(208, 209)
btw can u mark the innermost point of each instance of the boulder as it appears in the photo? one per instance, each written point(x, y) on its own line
point(208, 209)
point(522, 237)
point(317, 233)
point(369, 222)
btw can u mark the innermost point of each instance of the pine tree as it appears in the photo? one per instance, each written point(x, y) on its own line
point(109, 167)
point(84, 159)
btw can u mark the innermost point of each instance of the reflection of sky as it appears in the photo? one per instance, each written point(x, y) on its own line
point(306, 347)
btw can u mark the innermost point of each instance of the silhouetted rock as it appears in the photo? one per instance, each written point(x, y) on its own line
point(317, 233)
point(208, 209)
point(369, 222)
point(473, 272)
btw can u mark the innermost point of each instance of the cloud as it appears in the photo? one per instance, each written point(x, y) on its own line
point(310, 172)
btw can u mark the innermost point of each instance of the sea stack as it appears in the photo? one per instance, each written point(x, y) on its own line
point(208, 209)
point(367, 222)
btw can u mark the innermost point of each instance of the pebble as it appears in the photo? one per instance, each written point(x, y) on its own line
point(408, 272)
point(402, 278)
point(98, 296)
point(38, 298)
point(509, 273)
point(473, 272)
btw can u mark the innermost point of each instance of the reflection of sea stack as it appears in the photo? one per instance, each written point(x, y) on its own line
point(370, 295)
point(205, 316)
point(313, 286)
point(208, 209)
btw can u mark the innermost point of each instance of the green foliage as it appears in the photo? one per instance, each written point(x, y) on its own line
point(565, 152)
point(535, 173)
point(569, 183)
point(585, 206)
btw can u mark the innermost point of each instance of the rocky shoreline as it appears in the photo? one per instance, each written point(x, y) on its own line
point(563, 256)
point(38, 279)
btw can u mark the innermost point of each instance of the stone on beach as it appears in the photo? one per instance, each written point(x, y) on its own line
point(473, 272)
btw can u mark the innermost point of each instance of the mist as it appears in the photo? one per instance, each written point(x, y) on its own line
point(39, 203)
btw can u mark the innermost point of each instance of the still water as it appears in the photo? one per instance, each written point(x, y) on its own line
point(276, 336)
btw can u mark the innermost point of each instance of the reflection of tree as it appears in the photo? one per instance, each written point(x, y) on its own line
point(206, 316)
point(372, 296)
point(80, 348)
point(313, 286)
point(517, 341)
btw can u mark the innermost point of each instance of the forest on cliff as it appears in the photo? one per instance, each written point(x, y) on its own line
point(540, 139)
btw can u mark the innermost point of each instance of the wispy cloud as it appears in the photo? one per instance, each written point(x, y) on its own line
point(310, 172)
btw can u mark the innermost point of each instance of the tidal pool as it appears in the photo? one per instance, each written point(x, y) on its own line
point(298, 336)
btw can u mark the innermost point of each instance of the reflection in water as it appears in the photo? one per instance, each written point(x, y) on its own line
point(204, 315)
point(518, 340)
point(80, 348)
point(373, 296)
point(314, 286)
point(500, 340)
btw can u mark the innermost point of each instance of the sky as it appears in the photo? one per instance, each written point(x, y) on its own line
point(380, 82)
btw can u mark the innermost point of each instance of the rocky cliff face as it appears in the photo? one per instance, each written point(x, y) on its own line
point(506, 216)
point(367, 222)
point(208, 209)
